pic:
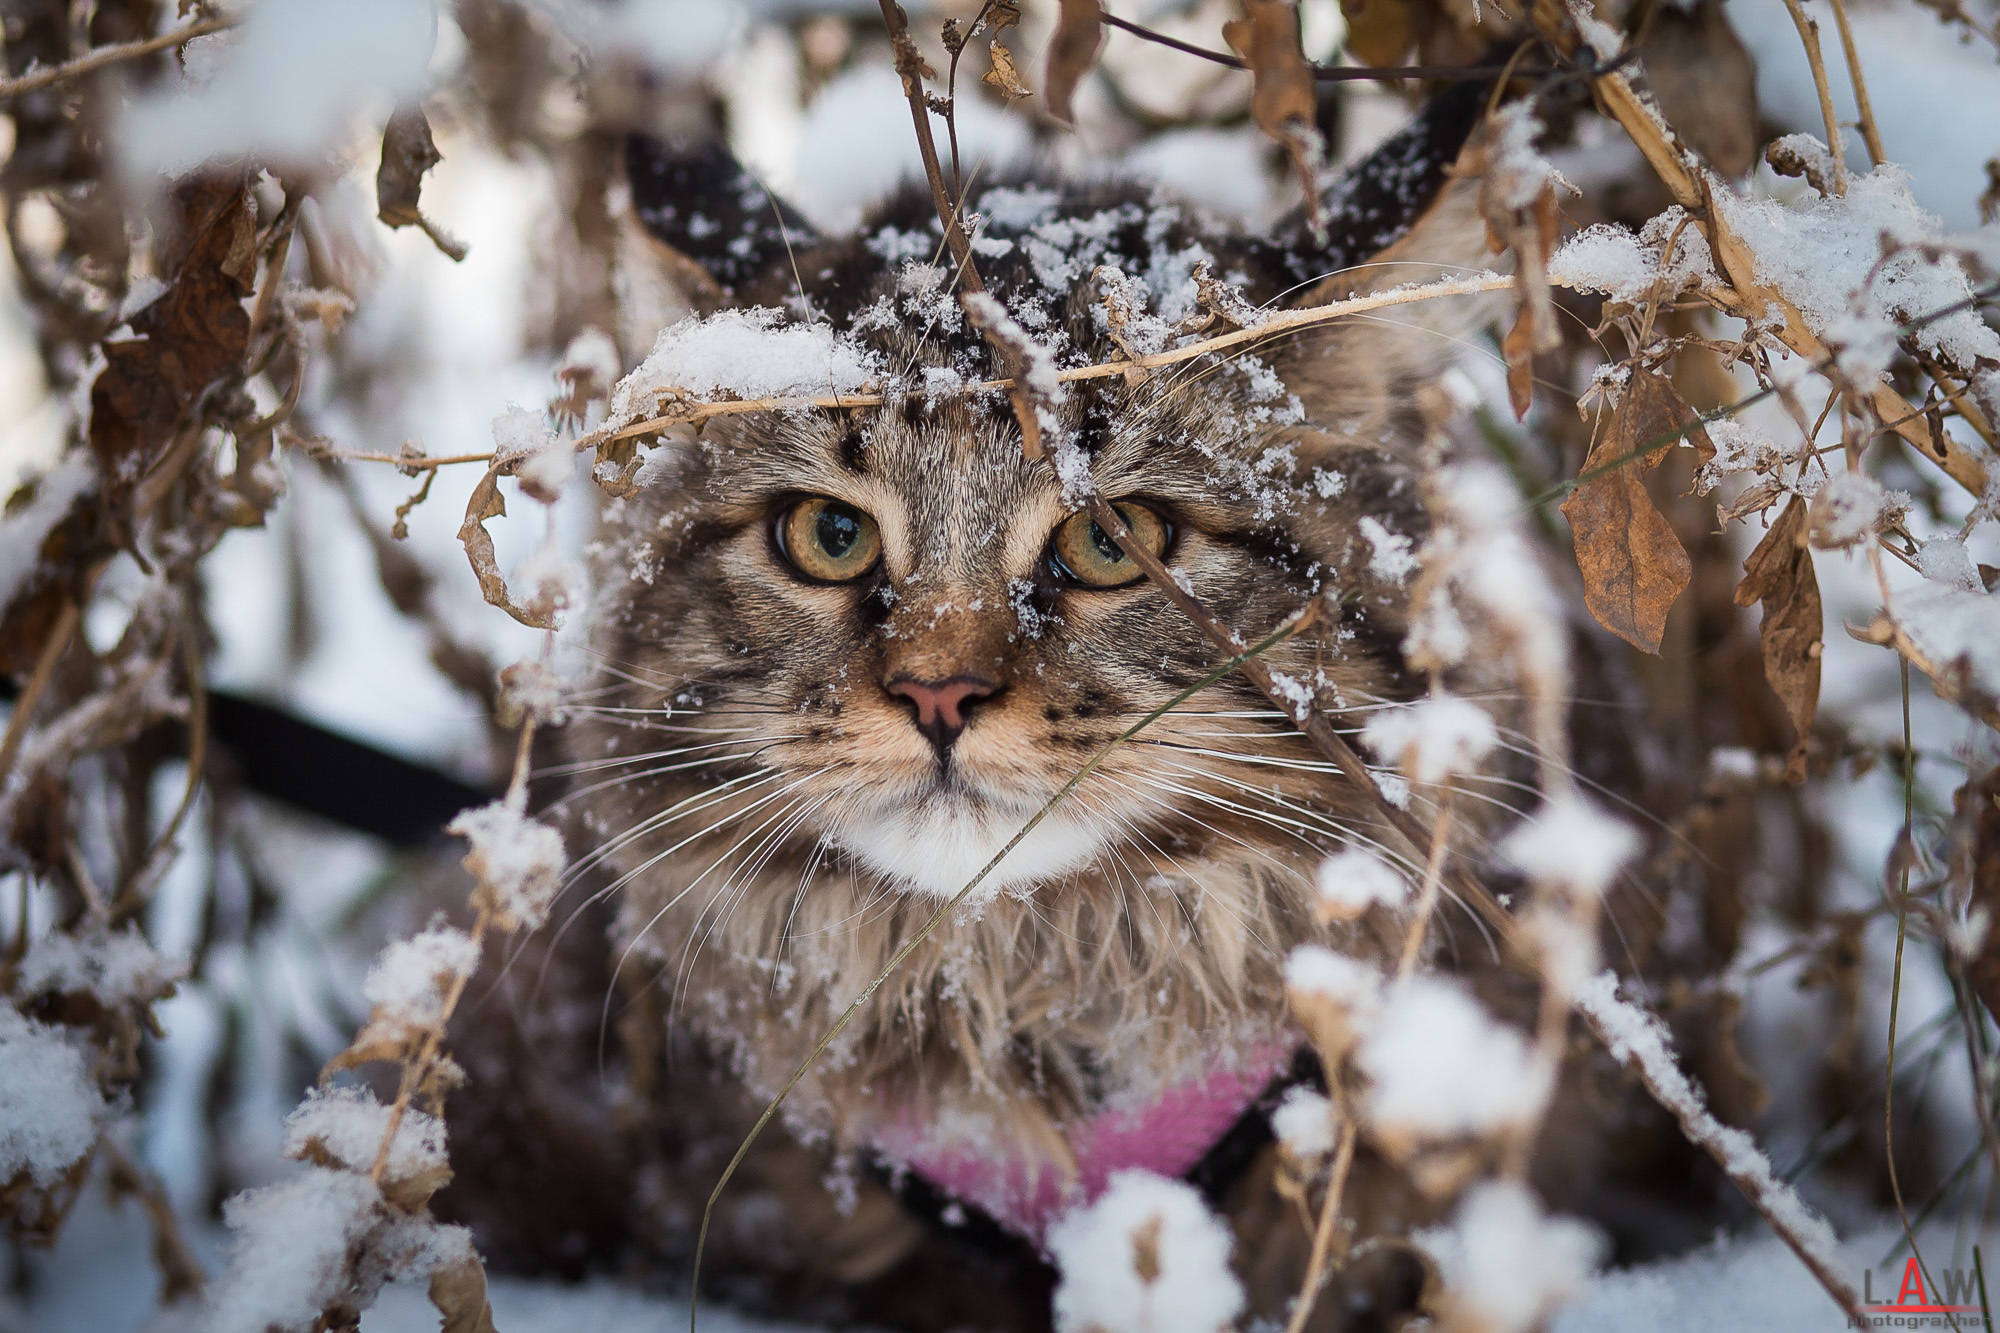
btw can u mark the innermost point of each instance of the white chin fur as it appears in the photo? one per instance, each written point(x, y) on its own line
point(938, 845)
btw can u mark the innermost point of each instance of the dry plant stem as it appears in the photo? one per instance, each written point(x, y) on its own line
point(1754, 1191)
point(1870, 135)
point(1284, 322)
point(909, 946)
point(1413, 939)
point(181, 1272)
point(1329, 1218)
point(416, 1070)
point(423, 464)
point(31, 694)
point(1809, 37)
point(37, 79)
point(1693, 189)
point(138, 886)
point(909, 64)
point(1896, 974)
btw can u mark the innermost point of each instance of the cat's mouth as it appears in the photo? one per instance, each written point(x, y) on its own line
point(938, 839)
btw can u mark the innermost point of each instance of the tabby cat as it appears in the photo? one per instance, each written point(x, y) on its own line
point(845, 655)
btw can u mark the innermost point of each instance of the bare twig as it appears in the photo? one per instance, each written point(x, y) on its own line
point(1809, 36)
point(1413, 940)
point(1272, 326)
point(1870, 134)
point(30, 697)
point(37, 79)
point(1329, 1217)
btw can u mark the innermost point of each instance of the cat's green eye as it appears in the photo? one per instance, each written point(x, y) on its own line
point(1085, 554)
point(829, 540)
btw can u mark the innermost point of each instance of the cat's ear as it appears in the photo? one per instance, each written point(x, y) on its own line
point(719, 234)
point(1408, 213)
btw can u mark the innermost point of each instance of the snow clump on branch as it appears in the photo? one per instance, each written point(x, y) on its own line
point(1147, 1257)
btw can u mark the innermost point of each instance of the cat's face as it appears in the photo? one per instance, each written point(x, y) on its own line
point(897, 621)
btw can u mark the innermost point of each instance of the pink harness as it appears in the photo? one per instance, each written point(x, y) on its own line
point(1167, 1137)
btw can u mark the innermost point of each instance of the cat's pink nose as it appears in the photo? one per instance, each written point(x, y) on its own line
point(942, 705)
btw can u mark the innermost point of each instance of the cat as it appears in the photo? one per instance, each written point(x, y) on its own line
point(846, 654)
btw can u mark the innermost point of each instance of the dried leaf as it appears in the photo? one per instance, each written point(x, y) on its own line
point(1779, 573)
point(1072, 51)
point(1979, 806)
point(1704, 81)
point(1380, 32)
point(1634, 567)
point(1283, 99)
point(1002, 15)
point(408, 151)
point(1518, 347)
point(1003, 75)
point(459, 1293)
point(193, 335)
point(484, 503)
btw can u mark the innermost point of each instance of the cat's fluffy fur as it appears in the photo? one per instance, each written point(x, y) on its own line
point(770, 822)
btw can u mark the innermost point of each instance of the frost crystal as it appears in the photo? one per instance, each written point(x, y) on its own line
point(1433, 739)
point(1147, 1257)
point(49, 1108)
point(1507, 1267)
point(518, 859)
point(1440, 1068)
point(1352, 881)
point(1571, 843)
point(408, 981)
point(1849, 507)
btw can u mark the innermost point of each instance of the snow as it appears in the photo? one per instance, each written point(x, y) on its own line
point(1440, 1068)
point(285, 86)
point(1146, 1257)
point(347, 1126)
point(1390, 558)
point(1572, 844)
point(1314, 969)
point(1303, 1122)
point(754, 353)
point(1944, 560)
point(23, 533)
point(1432, 740)
point(289, 1254)
point(1353, 880)
point(49, 1107)
point(1605, 257)
point(1850, 506)
point(1635, 1037)
point(1956, 632)
point(1506, 1266)
point(531, 689)
point(546, 462)
point(1825, 255)
point(407, 983)
point(519, 859)
point(113, 966)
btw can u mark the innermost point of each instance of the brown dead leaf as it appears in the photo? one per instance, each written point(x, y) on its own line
point(408, 151)
point(1634, 567)
point(1979, 807)
point(486, 502)
point(1517, 201)
point(1072, 51)
point(1779, 573)
point(193, 335)
point(1002, 74)
point(1283, 100)
point(459, 1293)
point(1704, 81)
point(1518, 348)
point(1380, 32)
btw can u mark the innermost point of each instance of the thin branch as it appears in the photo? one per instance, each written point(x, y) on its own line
point(30, 697)
point(1329, 1214)
point(1327, 73)
point(1870, 134)
point(1284, 322)
point(37, 79)
point(1809, 36)
point(910, 66)
point(1413, 941)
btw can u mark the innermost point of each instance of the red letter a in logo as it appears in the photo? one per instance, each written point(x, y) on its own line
point(1913, 1284)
